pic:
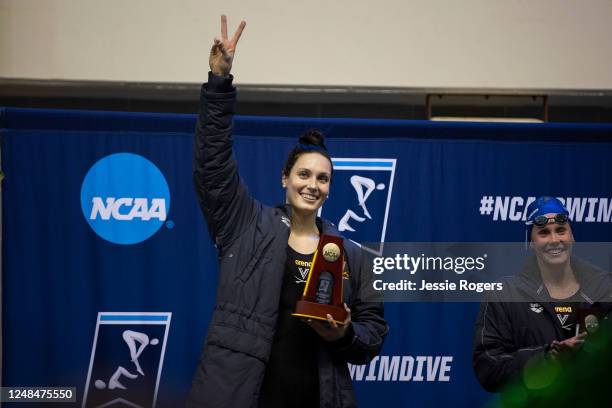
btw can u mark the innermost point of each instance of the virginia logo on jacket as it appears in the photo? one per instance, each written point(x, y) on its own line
point(126, 359)
point(360, 199)
point(125, 198)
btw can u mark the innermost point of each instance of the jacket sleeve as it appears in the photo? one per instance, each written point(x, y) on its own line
point(222, 195)
point(366, 334)
point(496, 360)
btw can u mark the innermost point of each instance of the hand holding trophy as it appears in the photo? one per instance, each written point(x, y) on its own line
point(322, 297)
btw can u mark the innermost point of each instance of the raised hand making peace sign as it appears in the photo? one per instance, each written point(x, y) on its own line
point(222, 51)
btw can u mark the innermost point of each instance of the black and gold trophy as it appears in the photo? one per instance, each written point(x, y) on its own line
point(323, 292)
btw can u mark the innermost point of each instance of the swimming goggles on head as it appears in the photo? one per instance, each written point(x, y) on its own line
point(542, 220)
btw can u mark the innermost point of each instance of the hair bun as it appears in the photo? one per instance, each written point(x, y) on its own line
point(311, 141)
point(313, 137)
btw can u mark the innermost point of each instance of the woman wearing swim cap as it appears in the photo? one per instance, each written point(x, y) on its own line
point(536, 315)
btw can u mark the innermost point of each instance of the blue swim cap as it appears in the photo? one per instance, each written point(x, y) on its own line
point(545, 205)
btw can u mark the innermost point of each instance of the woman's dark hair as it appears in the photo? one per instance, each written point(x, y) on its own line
point(311, 141)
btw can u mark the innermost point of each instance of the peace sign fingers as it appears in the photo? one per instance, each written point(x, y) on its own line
point(223, 49)
point(237, 34)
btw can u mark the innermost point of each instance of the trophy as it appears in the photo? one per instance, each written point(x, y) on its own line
point(323, 292)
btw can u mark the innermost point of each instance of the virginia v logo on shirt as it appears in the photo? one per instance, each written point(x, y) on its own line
point(303, 274)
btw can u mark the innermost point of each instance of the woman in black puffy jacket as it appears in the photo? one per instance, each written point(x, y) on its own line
point(255, 352)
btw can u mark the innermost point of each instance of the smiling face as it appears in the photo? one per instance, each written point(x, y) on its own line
point(308, 182)
point(552, 242)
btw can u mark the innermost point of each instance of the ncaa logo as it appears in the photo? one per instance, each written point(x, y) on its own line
point(125, 198)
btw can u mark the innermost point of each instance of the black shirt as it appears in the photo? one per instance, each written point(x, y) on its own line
point(566, 313)
point(292, 373)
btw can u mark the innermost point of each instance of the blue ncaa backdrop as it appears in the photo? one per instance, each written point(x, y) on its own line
point(109, 275)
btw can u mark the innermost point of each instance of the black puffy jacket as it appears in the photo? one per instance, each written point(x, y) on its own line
point(509, 334)
point(252, 239)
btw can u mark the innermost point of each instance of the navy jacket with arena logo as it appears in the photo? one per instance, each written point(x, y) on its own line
point(509, 334)
point(252, 239)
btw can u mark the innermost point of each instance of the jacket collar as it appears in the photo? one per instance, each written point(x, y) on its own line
point(324, 226)
point(586, 274)
point(583, 271)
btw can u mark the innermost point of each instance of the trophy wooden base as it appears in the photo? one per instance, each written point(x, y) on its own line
point(313, 310)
